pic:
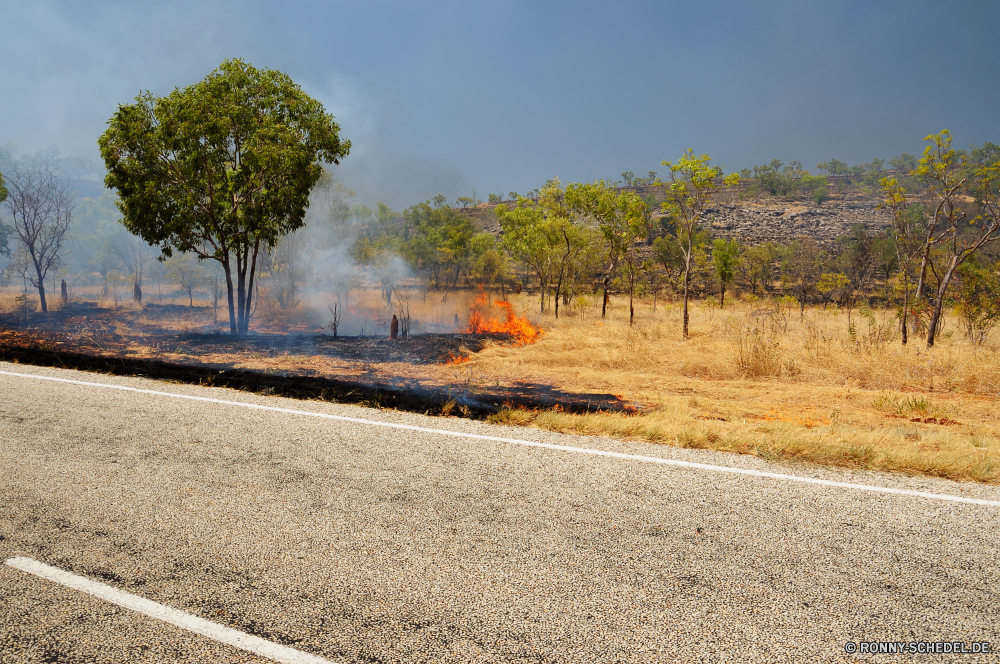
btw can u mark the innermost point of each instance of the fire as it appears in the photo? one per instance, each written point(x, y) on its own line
point(519, 329)
point(457, 359)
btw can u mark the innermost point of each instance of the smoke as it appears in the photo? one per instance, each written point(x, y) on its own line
point(336, 259)
point(382, 166)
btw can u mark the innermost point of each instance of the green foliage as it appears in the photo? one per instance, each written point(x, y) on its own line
point(834, 167)
point(802, 264)
point(219, 167)
point(621, 217)
point(831, 282)
point(725, 260)
point(904, 162)
point(692, 185)
point(495, 198)
point(756, 265)
point(488, 262)
point(979, 299)
point(440, 240)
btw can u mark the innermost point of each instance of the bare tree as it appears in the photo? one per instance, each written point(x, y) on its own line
point(187, 272)
point(134, 254)
point(41, 206)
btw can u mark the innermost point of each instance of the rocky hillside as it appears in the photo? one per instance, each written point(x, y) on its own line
point(766, 219)
point(755, 223)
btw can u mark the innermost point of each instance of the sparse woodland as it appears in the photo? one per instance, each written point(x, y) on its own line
point(872, 347)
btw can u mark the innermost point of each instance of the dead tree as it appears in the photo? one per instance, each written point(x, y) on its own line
point(41, 206)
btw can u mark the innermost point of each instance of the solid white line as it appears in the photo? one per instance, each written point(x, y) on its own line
point(528, 443)
point(211, 630)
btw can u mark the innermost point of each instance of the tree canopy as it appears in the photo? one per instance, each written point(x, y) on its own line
point(220, 167)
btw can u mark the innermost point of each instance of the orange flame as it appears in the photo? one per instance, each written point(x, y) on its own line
point(520, 329)
point(457, 359)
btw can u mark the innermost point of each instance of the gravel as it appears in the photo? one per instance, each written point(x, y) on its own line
point(360, 543)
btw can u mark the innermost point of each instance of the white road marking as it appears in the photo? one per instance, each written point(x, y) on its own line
point(528, 443)
point(192, 623)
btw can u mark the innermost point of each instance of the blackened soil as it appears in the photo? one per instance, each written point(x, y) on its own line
point(104, 354)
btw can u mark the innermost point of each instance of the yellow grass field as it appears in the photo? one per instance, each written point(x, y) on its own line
point(754, 378)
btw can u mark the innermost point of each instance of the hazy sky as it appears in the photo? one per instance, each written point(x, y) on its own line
point(441, 97)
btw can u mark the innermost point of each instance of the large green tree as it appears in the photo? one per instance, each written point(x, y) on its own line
point(221, 168)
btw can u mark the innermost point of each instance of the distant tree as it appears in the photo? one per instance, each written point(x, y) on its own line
point(541, 233)
point(756, 265)
point(651, 177)
point(906, 237)
point(494, 198)
point(817, 186)
point(284, 264)
point(187, 272)
point(834, 167)
point(41, 207)
point(725, 259)
point(4, 229)
point(528, 235)
point(628, 177)
point(978, 301)
point(439, 242)
point(133, 254)
point(488, 263)
point(513, 196)
point(692, 186)
point(804, 262)
point(988, 154)
point(620, 216)
point(831, 282)
point(440, 200)
point(940, 167)
point(465, 201)
point(904, 162)
point(221, 168)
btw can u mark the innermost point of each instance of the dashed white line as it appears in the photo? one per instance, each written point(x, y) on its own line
point(529, 443)
point(191, 623)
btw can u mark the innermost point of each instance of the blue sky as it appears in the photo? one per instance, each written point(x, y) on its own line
point(441, 97)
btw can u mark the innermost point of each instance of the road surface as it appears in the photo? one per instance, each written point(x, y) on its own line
point(352, 541)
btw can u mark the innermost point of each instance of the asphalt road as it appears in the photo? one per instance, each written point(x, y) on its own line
point(360, 543)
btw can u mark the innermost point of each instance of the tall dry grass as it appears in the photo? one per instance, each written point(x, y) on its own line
point(829, 386)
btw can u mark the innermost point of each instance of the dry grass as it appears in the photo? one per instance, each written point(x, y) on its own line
point(757, 379)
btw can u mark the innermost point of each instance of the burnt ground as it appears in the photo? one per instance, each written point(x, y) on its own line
point(158, 342)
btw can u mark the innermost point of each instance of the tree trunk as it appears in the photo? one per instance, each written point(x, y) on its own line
point(229, 292)
point(41, 290)
point(604, 304)
point(939, 301)
point(687, 288)
point(722, 296)
point(247, 308)
point(923, 272)
point(906, 304)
